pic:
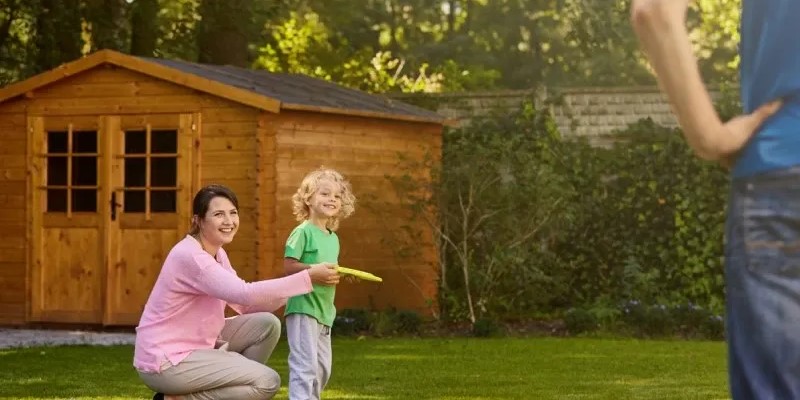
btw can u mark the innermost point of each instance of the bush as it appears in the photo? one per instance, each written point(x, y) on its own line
point(580, 320)
point(486, 327)
point(659, 320)
point(350, 322)
point(407, 322)
point(545, 223)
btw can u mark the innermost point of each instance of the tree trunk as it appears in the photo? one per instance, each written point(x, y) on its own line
point(58, 33)
point(144, 27)
point(222, 32)
point(451, 18)
point(109, 26)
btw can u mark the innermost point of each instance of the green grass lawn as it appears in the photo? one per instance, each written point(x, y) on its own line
point(536, 368)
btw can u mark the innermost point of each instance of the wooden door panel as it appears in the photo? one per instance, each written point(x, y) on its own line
point(72, 282)
point(142, 251)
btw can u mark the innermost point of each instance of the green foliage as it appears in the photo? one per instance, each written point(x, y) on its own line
point(177, 21)
point(580, 320)
point(17, 44)
point(495, 202)
point(351, 322)
point(394, 45)
point(542, 224)
point(302, 43)
point(57, 33)
point(648, 221)
point(486, 327)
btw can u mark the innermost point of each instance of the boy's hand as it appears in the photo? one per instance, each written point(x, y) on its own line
point(323, 274)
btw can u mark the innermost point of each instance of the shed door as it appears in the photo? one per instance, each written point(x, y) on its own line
point(67, 260)
point(111, 195)
point(151, 181)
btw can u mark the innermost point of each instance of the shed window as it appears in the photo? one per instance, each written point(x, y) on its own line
point(71, 176)
point(151, 174)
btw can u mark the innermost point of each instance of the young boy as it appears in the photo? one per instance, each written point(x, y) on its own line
point(323, 199)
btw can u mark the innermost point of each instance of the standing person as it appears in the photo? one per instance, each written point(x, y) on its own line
point(185, 347)
point(762, 254)
point(323, 199)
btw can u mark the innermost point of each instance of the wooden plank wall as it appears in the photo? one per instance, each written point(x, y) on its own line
point(365, 150)
point(13, 187)
point(267, 237)
point(228, 156)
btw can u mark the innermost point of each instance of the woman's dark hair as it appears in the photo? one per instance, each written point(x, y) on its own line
point(203, 198)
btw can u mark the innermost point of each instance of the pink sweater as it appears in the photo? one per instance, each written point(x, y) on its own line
point(186, 309)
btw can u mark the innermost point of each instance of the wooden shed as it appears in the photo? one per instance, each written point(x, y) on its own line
point(101, 156)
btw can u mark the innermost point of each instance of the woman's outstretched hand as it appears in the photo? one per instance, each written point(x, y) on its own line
point(324, 274)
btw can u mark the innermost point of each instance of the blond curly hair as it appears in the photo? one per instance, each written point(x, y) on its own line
point(310, 185)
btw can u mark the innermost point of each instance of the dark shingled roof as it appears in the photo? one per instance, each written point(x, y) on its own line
point(296, 89)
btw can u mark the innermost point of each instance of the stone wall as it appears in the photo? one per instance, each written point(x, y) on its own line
point(593, 112)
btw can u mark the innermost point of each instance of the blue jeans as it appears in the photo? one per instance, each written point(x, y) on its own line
point(762, 275)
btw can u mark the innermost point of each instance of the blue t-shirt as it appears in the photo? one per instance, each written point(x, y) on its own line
point(770, 69)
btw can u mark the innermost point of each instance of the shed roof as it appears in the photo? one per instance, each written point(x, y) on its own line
point(257, 88)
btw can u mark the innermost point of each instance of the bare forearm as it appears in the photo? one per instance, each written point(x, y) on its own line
point(292, 266)
point(663, 35)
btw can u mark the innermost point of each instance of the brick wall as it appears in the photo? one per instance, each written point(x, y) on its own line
point(592, 112)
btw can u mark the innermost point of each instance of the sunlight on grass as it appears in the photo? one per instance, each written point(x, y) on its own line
point(27, 381)
point(424, 369)
point(395, 357)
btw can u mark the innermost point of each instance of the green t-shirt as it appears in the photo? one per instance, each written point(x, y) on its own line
point(311, 245)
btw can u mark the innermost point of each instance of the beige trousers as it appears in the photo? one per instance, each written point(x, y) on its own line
point(234, 370)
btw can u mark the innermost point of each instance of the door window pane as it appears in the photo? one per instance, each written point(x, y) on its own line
point(134, 201)
point(162, 201)
point(164, 141)
point(135, 142)
point(135, 172)
point(56, 171)
point(84, 171)
point(57, 142)
point(84, 200)
point(162, 164)
point(84, 142)
point(71, 178)
point(163, 172)
point(56, 200)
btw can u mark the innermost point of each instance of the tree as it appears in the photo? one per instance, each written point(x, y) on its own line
point(227, 29)
point(144, 27)
point(58, 33)
point(108, 23)
point(18, 20)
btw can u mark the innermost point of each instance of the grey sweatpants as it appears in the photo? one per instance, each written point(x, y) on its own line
point(310, 356)
point(234, 370)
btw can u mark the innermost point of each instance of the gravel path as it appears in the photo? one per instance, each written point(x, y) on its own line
point(10, 338)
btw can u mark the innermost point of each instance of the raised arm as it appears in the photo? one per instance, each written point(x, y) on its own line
point(211, 279)
point(321, 274)
point(660, 26)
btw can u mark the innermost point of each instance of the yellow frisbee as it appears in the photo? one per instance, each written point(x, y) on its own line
point(358, 274)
